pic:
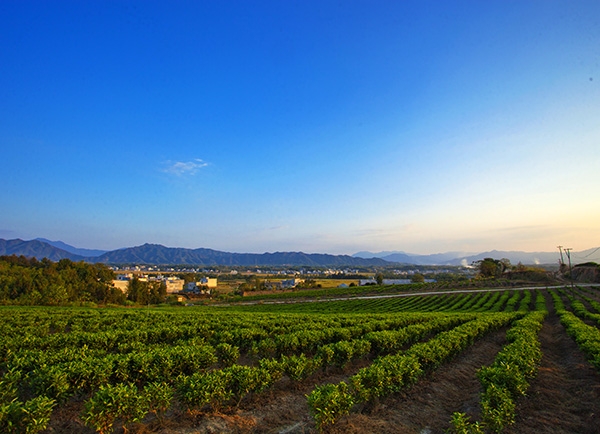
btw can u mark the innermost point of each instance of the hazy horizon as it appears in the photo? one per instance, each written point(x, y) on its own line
point(594, 255)
point(322, 127)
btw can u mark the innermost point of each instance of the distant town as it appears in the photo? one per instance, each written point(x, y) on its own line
point(193, 281)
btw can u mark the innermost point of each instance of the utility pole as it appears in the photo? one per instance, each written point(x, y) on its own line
point(568, 253)
point(562, 261)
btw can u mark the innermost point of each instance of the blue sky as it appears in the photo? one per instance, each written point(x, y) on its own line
point(316, 126)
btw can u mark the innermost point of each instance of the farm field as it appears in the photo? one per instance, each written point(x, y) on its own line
point(514, 361)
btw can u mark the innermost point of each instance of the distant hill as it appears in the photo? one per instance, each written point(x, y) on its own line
point(400, 257)
point(367, 254)
point(35, 249)
point(155, 254)
point(461, 258)
point(528, 258)
point(158, 254)
point(442, 258)
point(447, 258)
point(71, 249)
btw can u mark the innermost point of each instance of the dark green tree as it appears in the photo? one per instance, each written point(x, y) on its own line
point(492, 268)
point(417, 278)
point(137, 291)
point(157, 292)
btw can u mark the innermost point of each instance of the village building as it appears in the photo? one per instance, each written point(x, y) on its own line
point(282, 284)
point(204, 286)
point(174, 284)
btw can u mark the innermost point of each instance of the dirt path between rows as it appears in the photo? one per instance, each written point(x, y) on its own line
point(565, 395)
point(428, 405)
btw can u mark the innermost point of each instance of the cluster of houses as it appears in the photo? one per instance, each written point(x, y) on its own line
point(174, 285)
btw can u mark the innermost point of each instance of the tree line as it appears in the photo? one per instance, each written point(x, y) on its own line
point(29, 281)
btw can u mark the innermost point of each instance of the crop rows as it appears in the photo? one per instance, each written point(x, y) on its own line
point(191, 358)
point(392, 373)
point(586, 336)
point(132, 365)
point(507, 378)
point(486, 301)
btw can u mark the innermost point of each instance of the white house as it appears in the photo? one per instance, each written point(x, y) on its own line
point(289, 283)
point(282, 284)
point(203, 286)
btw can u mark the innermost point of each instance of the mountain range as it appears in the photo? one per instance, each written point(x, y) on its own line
point(156, 254)
point(409, 258)
point(464, 258)
point(74, 250)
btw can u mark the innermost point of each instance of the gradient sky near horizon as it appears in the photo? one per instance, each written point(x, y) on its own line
point(315, 126)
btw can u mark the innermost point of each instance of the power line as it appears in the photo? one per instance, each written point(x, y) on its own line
point(589, 254)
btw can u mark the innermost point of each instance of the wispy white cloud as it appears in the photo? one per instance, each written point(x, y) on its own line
point(181, 168)
point(277, 228)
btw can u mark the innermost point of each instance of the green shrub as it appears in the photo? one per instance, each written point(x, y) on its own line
point(205, 388)
point(300, 367)
point(497, 408)
point(28, 417)
point(110, 403)
point(159, 397)
point(246, 379)
point(227, 353)
point(461, 424)
point(329, 402)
